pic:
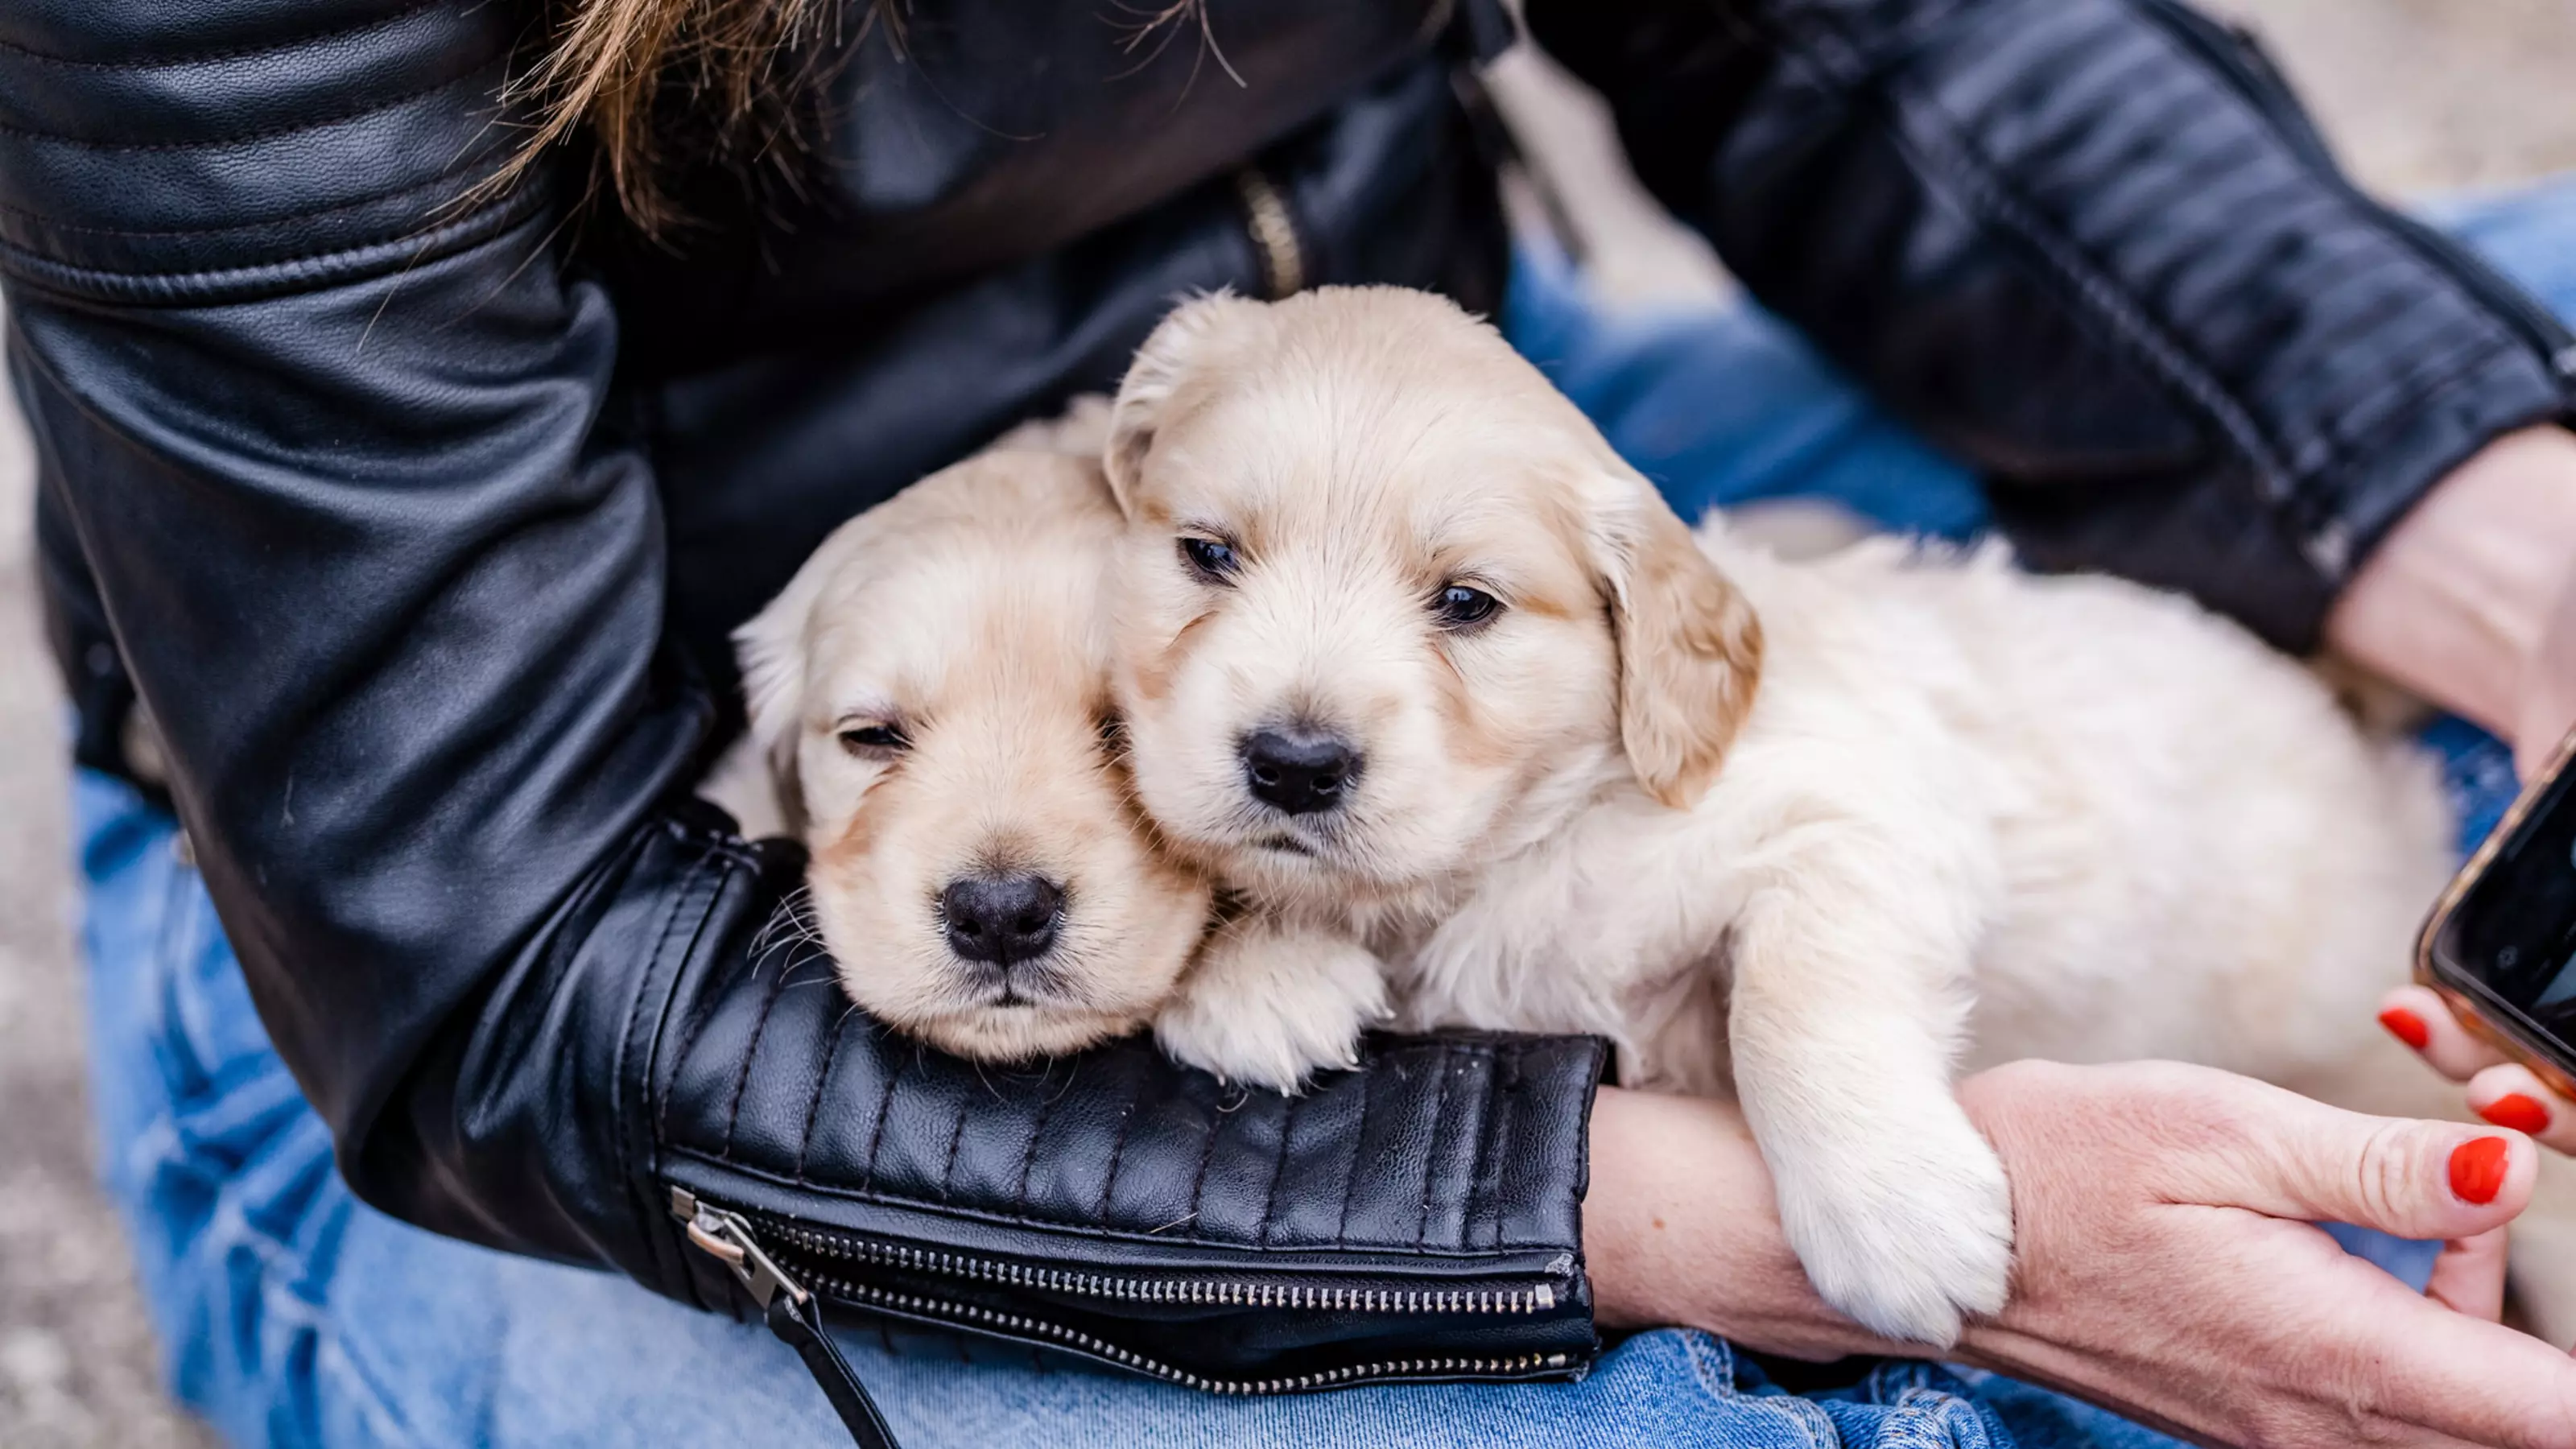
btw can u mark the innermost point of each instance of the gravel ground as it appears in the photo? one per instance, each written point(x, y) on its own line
point(2422, 95)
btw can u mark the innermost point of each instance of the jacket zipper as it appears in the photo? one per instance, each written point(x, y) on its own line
point(2241, 59)
point(1274, 232)
point(768, 1256)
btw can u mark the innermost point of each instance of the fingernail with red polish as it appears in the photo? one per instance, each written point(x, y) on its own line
point(2406, 1026)
point(2477, 1169)
point(2517, 1111)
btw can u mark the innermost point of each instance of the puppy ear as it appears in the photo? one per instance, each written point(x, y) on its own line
point(771, 651)
point(1690, 651)
point(1175, 351)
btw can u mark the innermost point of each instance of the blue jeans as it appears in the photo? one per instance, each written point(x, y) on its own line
point(291, 1314)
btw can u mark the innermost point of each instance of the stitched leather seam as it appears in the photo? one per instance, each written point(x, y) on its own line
point(292, 218)
point(706, 1009)
point(1479, 1200)
point(1978, 186)
point(1431, 1150)
point(653, 1229)
point(351, 262)
point(270, 133)
point(235, 52)
point(2405, 415)
point(876, 1134)
point(1028, 1159)
point(2394, 405)
point(625, 1033)
point(1207, 1154)
point(662, 944)
point(1278, 1170)
point(956, 1134)
point(1506, 1132)
point(680, 1060)
point(759, 1030)
point(1359, 1144)
point(814, 1104)
point(1118, 1149)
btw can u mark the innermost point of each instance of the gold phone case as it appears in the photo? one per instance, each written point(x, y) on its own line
point(2506, 1038)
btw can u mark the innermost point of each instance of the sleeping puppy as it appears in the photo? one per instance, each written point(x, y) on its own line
point(931, 694)
point(1411, 659)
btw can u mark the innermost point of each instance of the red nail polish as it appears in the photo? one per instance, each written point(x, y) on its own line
point(2517, 1111)
point(2477, 1169)
point(2406, 1026)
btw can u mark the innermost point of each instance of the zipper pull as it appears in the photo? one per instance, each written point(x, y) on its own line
point(726, 1237)
point(793, 1314)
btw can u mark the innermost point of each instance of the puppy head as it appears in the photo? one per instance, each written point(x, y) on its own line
point(931, 691)
point(1388, 604)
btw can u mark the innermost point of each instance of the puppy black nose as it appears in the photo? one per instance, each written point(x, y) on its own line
point(1299, 769)
point(1004, 919)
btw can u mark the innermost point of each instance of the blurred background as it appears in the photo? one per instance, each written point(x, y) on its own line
point(2420, 96)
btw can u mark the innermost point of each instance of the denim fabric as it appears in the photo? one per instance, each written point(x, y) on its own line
point(290, 1314)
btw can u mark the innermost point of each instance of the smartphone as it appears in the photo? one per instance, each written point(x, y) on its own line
point(2500, 946)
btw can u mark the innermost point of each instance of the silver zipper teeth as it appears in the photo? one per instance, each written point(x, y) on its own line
point(1026, 1327)
point(1534, 1299)
point(1274, 231)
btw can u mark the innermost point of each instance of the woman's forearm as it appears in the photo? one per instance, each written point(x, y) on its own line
point(1680, 1227)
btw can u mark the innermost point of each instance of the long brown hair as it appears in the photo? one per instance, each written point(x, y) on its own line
point(732, 76)
point(620, 69)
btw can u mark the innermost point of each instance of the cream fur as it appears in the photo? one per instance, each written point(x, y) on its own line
point(966, 612)
point(1965, 815)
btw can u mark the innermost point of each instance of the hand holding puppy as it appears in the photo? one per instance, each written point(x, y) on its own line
point(2165, 1266)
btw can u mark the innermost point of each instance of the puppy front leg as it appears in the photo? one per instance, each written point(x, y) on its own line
point(1270, 1004)
point(1844, 1019)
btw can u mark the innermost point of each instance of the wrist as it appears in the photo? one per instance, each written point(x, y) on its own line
point(1680, 1227)
point(2455, 605)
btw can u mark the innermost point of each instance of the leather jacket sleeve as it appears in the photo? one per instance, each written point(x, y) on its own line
point(327, 427)
point(2094, 248)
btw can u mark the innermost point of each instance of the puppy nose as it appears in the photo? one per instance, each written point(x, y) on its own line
point(1004, 919)
point(1299, 769)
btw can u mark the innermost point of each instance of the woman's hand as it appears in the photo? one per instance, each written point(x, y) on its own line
point(2471, 603)
point(2163, 1264)
point(2165, 1267)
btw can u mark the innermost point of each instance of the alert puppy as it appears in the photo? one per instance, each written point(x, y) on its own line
point(1411, 659)
point(931, 694)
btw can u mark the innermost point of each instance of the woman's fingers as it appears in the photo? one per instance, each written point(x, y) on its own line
point(2501, 1090)
point(2417, 1016)
point(2468, 1277)
point(2511, 1096)
point(2289, 1157)
point(2454, 1374)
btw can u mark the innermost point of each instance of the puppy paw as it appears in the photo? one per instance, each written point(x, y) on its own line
point(1907, 1229)
point(1269, 1008)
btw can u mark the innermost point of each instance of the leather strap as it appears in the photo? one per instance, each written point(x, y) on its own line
point(799, 1323)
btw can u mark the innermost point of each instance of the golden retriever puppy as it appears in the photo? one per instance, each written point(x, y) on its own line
point(1410, 658)
point(931, 693)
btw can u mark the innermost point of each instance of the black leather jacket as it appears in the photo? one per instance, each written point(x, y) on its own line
point(418, 524)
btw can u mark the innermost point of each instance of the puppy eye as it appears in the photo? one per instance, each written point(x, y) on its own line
point(1460, 607)
point(1210, 558)
point(871, 740)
